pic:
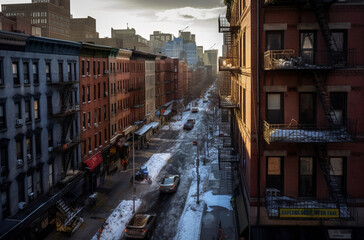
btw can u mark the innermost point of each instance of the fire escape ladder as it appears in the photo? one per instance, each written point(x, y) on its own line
point(325, 100)
point(321, 12)
point(224, 115)
point(66, 97)
point(326, 168)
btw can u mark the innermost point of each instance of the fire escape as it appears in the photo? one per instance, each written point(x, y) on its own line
point(333, 58)
point(68, 140)
point(229, 65)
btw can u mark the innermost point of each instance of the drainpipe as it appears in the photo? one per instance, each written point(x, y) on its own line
point(258, 116)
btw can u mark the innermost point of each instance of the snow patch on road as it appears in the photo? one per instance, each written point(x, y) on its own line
point(156, 162)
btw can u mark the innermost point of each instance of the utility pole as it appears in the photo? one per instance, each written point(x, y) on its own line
point(198, 175)
point(134, 190)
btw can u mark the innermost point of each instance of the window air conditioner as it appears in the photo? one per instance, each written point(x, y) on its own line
point(19, 122)
point(96, 125)
point(106, 93)
point(29, 156)
point(26, 81)
point(88, 124)
point(19, 162)
point(106, 71)
point(83, 129)
point(31, 195)
point(50, 149)
point(95, 76)
point(90, 152)
point(22, 205)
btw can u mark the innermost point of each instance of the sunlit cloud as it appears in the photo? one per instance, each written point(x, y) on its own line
point(189, 14)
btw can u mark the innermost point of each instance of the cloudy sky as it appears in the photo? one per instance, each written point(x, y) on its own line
point(146, 16)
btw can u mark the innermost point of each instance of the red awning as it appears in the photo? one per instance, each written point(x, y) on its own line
point(94, 161)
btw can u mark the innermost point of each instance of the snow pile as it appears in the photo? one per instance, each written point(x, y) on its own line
point(217, 200)
point(300, 135)
point(156, 163)
point(114, 226)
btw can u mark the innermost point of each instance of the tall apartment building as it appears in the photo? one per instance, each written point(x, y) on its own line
point(296, 108)
point(130, 39)
point(95, 113)
point(120, 118)
point(83, 29)
point(52, 16)
point(137, 87)
point(182, 49)
point(40, 133)
point(210, 59)
point(158, 41)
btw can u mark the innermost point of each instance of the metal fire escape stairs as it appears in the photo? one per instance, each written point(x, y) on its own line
point(69, 218)
point(321, 12)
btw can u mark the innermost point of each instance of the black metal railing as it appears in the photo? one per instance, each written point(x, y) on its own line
point(277, 205)
point(302, 133)
point(309, 59)
point(227, 102)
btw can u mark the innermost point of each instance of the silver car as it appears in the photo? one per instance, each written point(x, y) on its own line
point(169, 184)
point(140, 226)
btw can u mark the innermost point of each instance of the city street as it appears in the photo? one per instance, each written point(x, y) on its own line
point(169, 207)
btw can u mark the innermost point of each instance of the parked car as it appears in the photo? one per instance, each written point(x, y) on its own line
point(169, 184)
point(188, 126)
point(194, 109)
point(140, 226)
point(191, 121)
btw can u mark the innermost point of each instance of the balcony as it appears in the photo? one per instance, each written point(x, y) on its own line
point(68, 144)
point(226, 26)
point(67, 111)
point(309, 59)
point(284, 207)
point(228, 64)
point(226, 102)
point(301, 133)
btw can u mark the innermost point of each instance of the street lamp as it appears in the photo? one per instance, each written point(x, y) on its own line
point(134, 191)
point(197, 172)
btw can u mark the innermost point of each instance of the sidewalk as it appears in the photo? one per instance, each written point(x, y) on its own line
point(217, 222)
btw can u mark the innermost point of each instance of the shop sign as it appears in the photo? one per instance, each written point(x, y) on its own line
point(112, 150)
point(309, 213)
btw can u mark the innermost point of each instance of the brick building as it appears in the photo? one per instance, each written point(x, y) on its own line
point(296, 110)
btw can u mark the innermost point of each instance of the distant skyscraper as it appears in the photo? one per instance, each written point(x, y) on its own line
point(182, 49)
point(210, 59)
point(158, 41)
point(130, 39)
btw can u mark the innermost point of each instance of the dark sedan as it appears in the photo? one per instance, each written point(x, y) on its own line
point(188, 126)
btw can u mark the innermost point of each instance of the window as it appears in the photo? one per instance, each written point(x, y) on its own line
point(27, 111)
point(95, 117)
point(95, 141)
point(36, 109)
point(83, 94)
point(60, 71)
point(83, 67)
point(30, 184)
point(75, 71)
point(99, 90)
point(307, 108)
point(4, 159)
point(89, 144)
point(105, 135)
point(94, 67)
point(308, 46)
point(38, 146)
point(84, 120)
point(16, 73)
point(244, 49)
point(48, 72)
point(88, 94)
point(306, 181)
point(275, 108)
point(2, 116)
point(49, 106)
point(105, 114)
point(274, 40)
point(98, 68)
point(99, 114)
point(275, 173)
point(84, 148)
point(338, 102)
point(50, 138)
point(1, 73)
point(104, 67)
point(69, 71)
point(339, 56)
point(338, 173)
point(19, 149)
point(244, 105)
point(95, 91)
point(39, 182)
point(26, 72)
point(29, 146)
point(100, 144)
point(35, 72)
point(89, 119)
point(50, 175)
point(88, 68)
point(21, 189)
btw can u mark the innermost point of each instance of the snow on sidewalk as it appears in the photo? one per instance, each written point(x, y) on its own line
point(115, 224)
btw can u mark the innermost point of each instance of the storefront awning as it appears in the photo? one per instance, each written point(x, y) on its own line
point(129, 129)
point(143, 130)
point(94, 161)
point(154, 125)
